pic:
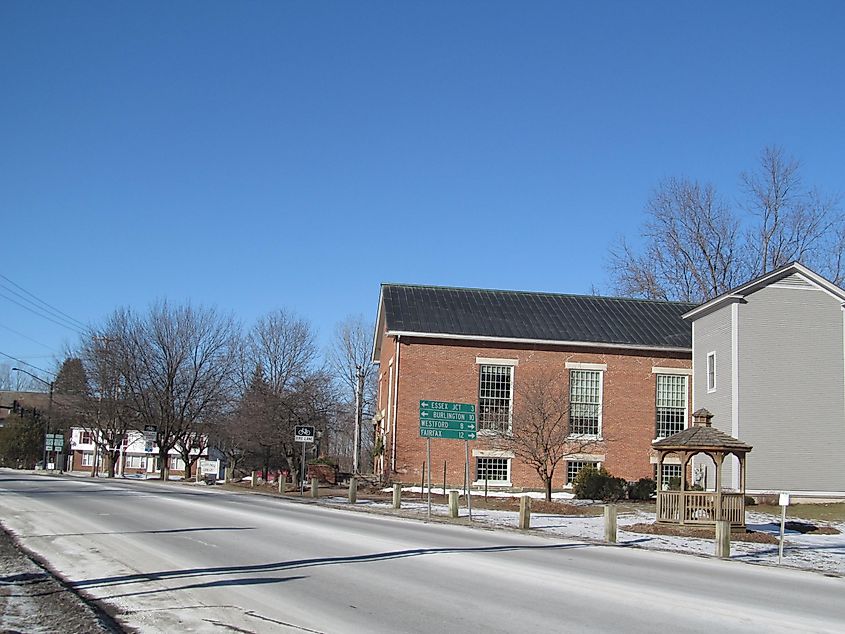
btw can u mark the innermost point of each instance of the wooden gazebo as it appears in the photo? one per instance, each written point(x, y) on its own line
point(701, 507)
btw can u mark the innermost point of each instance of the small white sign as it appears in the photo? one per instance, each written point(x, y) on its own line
point(303, 433)
point(784, 499)
point(209, 467)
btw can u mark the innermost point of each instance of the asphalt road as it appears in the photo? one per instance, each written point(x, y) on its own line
point(171, 557)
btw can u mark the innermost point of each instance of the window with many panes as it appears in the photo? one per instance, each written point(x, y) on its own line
point(492, 469)
point(176, 463)
point(574, 466)
point(87, 458)
point(85, 438)
point(670, 472)
point(585, 402)
point(671, 404)
point(495, 383)
point(135, 462)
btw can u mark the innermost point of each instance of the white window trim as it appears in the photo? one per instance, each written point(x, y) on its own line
point(661, 370)
point(491, 432)
point(710, 355)
point(497, 483)
point(492, 453)
point(598, 463)
point(601, 403)
point(576, 365)
point(493, 361)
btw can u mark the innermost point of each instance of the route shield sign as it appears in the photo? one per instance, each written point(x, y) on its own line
point(303, 433)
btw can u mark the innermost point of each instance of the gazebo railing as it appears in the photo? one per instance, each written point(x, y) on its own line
point(699, 507)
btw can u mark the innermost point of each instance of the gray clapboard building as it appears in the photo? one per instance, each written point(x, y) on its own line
point(769, 364)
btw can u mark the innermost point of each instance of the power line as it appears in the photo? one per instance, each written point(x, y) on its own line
point(55, 310)
point(20, 334)
point(43, 316)
point(25, 363)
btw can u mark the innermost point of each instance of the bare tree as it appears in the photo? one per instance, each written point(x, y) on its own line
point(692, 248)
point(284, 346)
point(348, 358)
point(177, 363)
point(541, 434)
point(696, 246)
point(793, 223)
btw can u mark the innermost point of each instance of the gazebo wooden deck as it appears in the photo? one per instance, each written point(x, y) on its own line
point(701, 507)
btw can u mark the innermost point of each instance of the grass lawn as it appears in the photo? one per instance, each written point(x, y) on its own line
point(834, 512)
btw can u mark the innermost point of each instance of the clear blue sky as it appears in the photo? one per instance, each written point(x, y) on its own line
point(252, 155)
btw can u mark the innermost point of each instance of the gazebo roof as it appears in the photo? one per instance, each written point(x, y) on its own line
point(701, 436)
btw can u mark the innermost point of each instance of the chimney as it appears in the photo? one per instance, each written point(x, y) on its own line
point(701, 418)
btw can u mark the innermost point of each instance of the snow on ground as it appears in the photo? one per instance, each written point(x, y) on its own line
point(814, 552)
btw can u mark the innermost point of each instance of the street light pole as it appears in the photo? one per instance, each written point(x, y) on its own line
point(49, 410)
point(359, 389)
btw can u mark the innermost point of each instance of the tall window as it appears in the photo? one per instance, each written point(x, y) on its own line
point(671, 404)
point(495, 470)
point(85, 438)
point(711, 371)
point(494, 397)
point(87, 458)
point(585, 402)
point(176, 463)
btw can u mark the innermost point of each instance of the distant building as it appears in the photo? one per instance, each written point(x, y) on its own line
point(769, 364)
point(626, 364)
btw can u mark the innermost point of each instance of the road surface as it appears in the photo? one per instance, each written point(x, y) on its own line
point(179, 558)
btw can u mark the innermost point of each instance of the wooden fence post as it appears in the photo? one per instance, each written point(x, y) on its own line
point(723, 539)
point(453, 503)
point(353, 490)
point(314, 484)
point(282, 484)
point(397, 495)
point(252, 479)
point(610, 523)
point(525, 512)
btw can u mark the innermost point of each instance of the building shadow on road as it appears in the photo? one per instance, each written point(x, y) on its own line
point(161, 531)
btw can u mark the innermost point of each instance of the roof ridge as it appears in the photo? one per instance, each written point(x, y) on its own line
point(545, 293)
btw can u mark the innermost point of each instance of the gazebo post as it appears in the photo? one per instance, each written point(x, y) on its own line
point(660, 455)
point(718, 458)
point(742, 458)
point(683, 505)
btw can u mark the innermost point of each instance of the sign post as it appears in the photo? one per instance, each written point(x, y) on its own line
point(305, 435)
point(447, 421)
point(784, 502)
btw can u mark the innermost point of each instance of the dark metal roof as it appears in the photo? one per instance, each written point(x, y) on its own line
point(536, 316)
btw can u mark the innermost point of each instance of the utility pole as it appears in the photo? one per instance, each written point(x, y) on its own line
point(359, 406)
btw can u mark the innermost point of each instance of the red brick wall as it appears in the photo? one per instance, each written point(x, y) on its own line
point(447, 370)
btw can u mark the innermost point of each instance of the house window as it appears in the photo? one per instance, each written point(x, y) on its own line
point(711, 371)
point(670, 472)
point(134, 462)
point(585, 390)
point(493, 470)
point(87, 458)
point(176, 463)
point(671, 404)
point(574, 466)
point(85, 438)
point(495, 387)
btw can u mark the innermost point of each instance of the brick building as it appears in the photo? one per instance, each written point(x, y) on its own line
point(626, 365)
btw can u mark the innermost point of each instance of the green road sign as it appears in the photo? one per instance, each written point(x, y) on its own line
point(446, 406)
point(443, 424)
point(449, 434)
point(465, 417)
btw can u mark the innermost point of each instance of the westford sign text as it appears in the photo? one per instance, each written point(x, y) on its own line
point(442, 419)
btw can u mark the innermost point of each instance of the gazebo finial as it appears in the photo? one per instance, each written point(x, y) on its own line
point(702, 418)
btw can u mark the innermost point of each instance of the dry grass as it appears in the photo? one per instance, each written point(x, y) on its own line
point(702, 532)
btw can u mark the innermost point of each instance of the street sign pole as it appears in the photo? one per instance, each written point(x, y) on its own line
point(302, 476)
point(428, 470)
point(469, 483)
